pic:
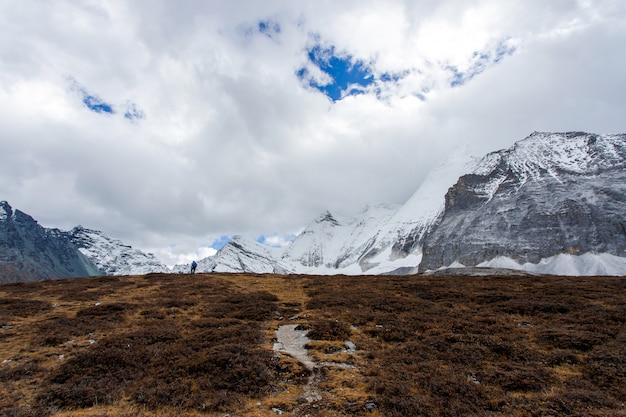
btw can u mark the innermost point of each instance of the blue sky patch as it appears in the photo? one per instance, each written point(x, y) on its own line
point(133, 112)
point(96, 104)
point(393, 77)
point(130, 110)
point(479, 62)
point(347, 76)
point(339, 74)
point(219, 243)
point(276, 241)
point(269, 28)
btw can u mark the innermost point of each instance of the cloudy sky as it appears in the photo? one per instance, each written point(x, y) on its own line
point(172, 125)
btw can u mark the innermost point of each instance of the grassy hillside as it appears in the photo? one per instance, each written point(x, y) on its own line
point(173, 345)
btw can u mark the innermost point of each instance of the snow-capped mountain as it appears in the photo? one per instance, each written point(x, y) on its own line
point(241, 255)
point(111, 256)
point(550, 194)
point(30, 252)
point(330, 243)
point(553, 203)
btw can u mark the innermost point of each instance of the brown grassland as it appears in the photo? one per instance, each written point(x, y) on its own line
point(174, 345)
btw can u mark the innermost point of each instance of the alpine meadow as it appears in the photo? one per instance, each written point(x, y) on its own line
point(171, 345)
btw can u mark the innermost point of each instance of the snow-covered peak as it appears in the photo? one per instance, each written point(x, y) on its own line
point(374, 215)
point(390, 239)
point(331, 243)
point(553, 154)
point(326, 218)
point(241, 254)
point(113, 257)
point(571, 152)
point(250, 245)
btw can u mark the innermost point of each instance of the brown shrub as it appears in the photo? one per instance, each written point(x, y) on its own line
point(434, 346)
point(13, 307)
point(608, 371)
point(20, 371)
point(322, 329)
point(84, 289)
point(562, 357)
point(255, 306)
point(579, 402)
point(570, 339)
point(532, 307)
point(518, 378)
point(60, 329)
point(57, 330)
point(109, 311)
point(12, 411)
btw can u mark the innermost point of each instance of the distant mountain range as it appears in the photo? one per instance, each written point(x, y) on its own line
point(553, 203)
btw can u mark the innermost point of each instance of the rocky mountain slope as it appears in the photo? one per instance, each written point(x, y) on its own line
point(31, 252)
point(550, 194)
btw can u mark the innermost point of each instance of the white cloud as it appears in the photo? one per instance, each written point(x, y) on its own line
point(232, 141)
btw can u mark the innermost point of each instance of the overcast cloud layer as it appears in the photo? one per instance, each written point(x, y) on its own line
point(170, 125)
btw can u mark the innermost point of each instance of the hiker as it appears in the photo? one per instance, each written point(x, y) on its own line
point(193, 267)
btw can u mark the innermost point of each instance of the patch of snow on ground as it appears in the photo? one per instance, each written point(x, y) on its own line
point(588, 264)
point(501, 262)
point(410, 261)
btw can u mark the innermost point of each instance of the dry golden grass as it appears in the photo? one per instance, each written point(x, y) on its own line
point(173, 345)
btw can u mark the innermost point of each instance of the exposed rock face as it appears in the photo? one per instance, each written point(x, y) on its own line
point(30, 252)
point(549, 194)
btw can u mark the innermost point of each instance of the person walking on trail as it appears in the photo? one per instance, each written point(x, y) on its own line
point(193, 267)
